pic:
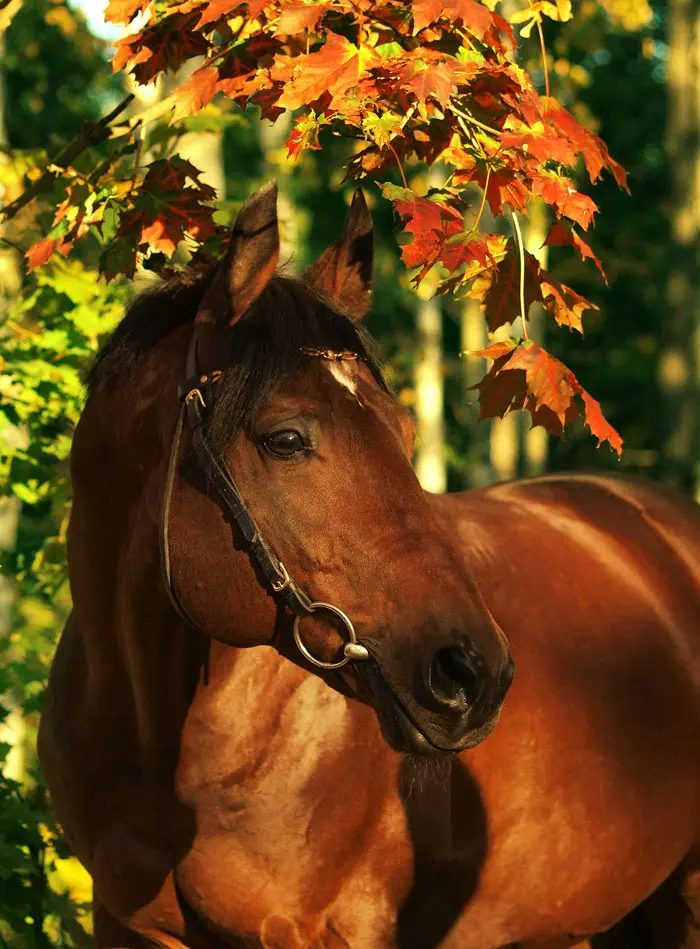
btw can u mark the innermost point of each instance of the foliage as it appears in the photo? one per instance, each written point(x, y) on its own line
point(423, 82)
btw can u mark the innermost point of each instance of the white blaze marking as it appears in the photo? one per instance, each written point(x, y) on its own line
point(344, 375)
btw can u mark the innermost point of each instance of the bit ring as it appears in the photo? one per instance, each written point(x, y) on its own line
point(352, 649)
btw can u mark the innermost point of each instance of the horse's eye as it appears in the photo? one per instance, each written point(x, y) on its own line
point(285, 444)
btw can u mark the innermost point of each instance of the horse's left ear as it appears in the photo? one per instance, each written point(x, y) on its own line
point(249, 263)
point(344, 271)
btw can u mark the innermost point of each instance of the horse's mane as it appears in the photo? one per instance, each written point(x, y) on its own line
point(265, 345)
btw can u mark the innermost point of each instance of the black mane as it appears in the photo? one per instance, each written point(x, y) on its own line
point(265, 345)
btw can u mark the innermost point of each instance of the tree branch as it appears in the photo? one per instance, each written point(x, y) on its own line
point(93, 133)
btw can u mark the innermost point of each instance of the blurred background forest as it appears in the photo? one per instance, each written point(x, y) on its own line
point(626, 68)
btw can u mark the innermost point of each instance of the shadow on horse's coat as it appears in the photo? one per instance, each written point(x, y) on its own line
point(265, 718)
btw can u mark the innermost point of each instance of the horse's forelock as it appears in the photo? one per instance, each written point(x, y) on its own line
point(264, 347)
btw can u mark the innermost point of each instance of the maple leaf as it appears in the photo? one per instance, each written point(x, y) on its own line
point(218, 10)
point(163, 46)
point(40, 252)
point(305, 134)
point(560, 236)
point(495, 350)
point(565, 305)
point(296, 17)
point(598, 424)
point(500, 392)
point(541, 141)
point(124, 11)
point(197, 92)
point(557, 191)
point(548, 380)
point(478, 250)
point(429, 223)
point(167, 208)
point(381, 128)
point(558, 10)
point(499, 288)
point(524, 375)
point(335, 69)
point(477, 18)
point(594, 151)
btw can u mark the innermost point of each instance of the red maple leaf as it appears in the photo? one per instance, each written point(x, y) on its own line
point(40, 252)
point(526, 376)
point(499, 392)
point(430, 224)
point(477, 18)
point(560, 236)
point(594, 151)
point(499, 288)
point(171, 204)
point(559, 192)
point(460, 250)
point(548, 380)
point(161, 47)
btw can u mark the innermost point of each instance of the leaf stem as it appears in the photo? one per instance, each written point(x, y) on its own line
point(398, 162)
point(476, 223)
point(521, 252)
point(544, 58)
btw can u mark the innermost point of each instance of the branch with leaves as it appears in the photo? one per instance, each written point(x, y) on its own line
point(411, 83)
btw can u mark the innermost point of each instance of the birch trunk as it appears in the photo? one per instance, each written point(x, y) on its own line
point(679, 363)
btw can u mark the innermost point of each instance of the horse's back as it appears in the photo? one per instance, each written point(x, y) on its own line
point(596, 583)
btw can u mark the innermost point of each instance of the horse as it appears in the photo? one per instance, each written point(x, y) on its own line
point(283, 711)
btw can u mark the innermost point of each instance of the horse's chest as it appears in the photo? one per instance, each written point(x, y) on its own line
point(299, 840)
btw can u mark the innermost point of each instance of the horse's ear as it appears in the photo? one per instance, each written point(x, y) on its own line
point(344, 271)
point(249, 263)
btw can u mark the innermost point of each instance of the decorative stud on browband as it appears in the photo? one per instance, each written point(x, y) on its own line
point(333, 354)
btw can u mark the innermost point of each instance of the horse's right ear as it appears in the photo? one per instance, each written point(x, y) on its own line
point(344, 271)
point(249, 263)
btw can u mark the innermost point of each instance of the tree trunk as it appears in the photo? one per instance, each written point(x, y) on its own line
point(430, 424)
point(679, 363)
point(535, 440)
point(13, 730)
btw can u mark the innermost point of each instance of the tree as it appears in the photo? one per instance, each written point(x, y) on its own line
point(410, 83)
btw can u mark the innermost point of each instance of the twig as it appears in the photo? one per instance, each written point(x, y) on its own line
point(13, 245)
point(93, 133)
point(544, 58)
point(521, 251)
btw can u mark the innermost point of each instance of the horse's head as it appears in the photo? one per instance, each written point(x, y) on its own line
point(320, 452)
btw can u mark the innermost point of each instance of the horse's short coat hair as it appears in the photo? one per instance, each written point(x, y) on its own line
point(265, 346)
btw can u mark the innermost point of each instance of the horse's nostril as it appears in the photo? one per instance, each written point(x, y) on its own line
point(456, 671)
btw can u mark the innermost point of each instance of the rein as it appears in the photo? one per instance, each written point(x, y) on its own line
point(194, 397)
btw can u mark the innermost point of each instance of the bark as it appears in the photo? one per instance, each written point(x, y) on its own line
point(679, 363)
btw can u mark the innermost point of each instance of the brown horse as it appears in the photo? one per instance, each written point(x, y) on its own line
point(222, 795)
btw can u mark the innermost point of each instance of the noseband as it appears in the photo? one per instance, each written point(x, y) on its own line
point(195, 398)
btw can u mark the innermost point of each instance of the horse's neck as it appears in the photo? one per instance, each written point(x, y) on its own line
point(138, 653)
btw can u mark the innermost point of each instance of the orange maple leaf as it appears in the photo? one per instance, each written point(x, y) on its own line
point(334, 69)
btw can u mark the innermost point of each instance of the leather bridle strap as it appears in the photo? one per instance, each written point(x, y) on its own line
point(194, 395)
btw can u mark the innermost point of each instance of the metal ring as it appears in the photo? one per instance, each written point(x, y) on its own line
point(352, 649)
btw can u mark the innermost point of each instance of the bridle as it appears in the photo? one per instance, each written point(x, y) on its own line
point(194, 394)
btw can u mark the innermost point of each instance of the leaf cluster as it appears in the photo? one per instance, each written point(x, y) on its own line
point(428, 82)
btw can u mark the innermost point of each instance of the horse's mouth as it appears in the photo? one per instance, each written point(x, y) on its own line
point(398, 726)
